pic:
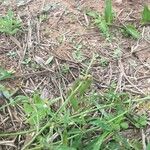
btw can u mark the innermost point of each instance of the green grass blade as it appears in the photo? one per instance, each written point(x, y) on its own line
point(132, 31)
point(146, 15)
point(101, 138)
point(108, 11)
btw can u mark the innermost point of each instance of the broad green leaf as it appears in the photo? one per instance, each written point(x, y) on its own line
point(37, 110)
point(5, 74)
point(146, 15)
point(101, 23)
point(108, 11)
point(124, 125)
point(132, 31)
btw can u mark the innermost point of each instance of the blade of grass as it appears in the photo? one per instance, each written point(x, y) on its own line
point(108, 12)
point(132, 31)
point(146, 15)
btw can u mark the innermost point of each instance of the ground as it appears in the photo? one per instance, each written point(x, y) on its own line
point(58, 30)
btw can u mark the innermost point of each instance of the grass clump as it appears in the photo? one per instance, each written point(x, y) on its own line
point(84, 120)
point(103, 21)
point(9, 24)
point(100, 22)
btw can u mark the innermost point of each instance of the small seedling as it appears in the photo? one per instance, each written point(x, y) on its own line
point(77, 54)
point(26, 61)
point(146, 15)
point(4, 74)
point(100, 22)
point(65, 68)
point(9, 24)
point(103, 62)
point(117, 53)
point(12, 54)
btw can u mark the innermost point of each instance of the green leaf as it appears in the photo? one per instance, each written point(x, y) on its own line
point(5, 74)
point(148, 146)
point(49, 60)
point(65, 137)
point(132, 31)
point(8, 24)
point(78, 55)
point(124, 125)
point(92, 14)
point(146, 15)
point(108, 11)
point(37, 110)
point(28, 108)
point(80, 86)
point(77, 142)
point(103, 27)
point(101, 138)
point(102, 124)
point(101, 23)
point(5, 92)
point(63, 147)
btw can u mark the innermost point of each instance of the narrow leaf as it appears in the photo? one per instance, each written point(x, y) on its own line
point(92, 14)
point(65, 138)
point(108, 11)
point(49, 60)
point(146, 15)
point(101, 138)
point(103, 27)
point(132, 31)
